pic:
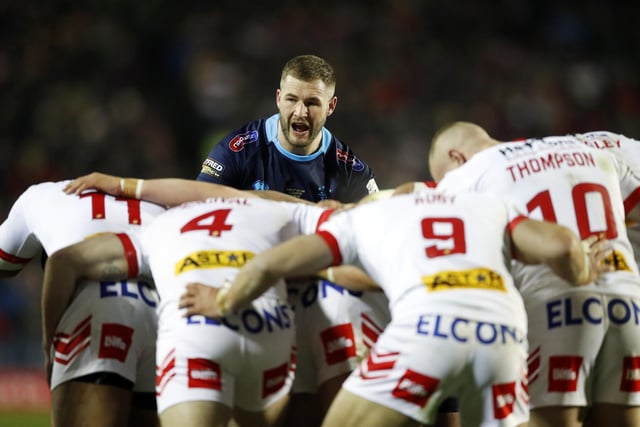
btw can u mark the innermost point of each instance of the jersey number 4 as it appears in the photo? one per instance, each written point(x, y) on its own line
point(214, 222)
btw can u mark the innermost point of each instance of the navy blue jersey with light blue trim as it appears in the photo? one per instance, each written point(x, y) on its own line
point(251, 158)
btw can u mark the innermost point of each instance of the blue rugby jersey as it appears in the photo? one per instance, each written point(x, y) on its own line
point(251, 158)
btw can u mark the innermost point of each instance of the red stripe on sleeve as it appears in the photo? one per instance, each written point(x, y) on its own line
point(631, 201)
point(12, 258)
point(130, 254)
point(333, 246)
point(431, 184)
point(324, 217)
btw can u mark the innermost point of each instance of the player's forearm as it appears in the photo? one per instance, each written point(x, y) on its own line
point(298, 257)
point(163, 191)
point(349, 277)
point(278, 196)
point(175, 191)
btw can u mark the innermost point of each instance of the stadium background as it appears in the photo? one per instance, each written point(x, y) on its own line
point(145, 88)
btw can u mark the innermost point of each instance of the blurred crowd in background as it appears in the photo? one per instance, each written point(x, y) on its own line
point(145, 88)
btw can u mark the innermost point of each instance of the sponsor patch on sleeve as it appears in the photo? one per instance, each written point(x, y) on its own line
point(372, 186)
point(212, 167)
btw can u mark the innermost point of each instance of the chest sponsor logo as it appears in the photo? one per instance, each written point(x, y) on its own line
point(563, 373)
point(339, 343)
point(239, 141)
point(212, 259)
point(212, 167)
point(204, 373)
point(115, 341)
point(476, 278)
point(415, 388)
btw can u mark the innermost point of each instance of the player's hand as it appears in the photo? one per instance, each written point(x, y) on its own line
point(599, 252)
point(202, 299)
point(329, 204)
point(95, 181)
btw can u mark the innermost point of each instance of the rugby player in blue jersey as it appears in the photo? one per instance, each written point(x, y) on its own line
point(294, 153)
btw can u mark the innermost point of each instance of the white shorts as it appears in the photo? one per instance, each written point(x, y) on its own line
point(335, 329)
point(584, 349)
point(422, 359)
point(243, 360)
point(109, 327)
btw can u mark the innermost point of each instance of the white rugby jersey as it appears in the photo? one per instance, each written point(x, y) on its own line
point(208, 241)
point(44, 217)
point(434, 252)
point(560, 179)
point(627, 150)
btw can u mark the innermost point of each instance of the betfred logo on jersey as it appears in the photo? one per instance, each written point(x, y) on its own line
point(238, 142)
point(563, 373)
point(204, 373)
point(212, 167)
point(339, 343)
point(115, 341)
point(415, 388)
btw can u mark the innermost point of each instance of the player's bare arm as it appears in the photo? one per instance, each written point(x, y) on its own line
point(163, 191)
point(350, 277)
point(578, 262)
point(298, 257)
point(167, 191)
point(98, 258)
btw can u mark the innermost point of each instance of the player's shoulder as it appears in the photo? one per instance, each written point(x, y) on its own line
point(246, 137)
point(45, 188)
point(345, 156)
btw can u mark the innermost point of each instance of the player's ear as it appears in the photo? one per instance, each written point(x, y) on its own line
point(278, 93)
point(332, 105)
point(457, 157)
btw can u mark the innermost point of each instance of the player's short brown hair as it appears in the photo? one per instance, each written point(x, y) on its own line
point(308, 68)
